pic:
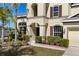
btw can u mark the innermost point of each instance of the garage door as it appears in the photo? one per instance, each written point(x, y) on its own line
point(73, 38)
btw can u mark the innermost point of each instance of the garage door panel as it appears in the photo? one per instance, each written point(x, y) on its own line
point(74, 38)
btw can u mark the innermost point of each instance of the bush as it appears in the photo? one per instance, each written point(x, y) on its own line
point(64, 43)
point(28, 37)
point(11, 36)
point(50, 40)
point(19, 42)
point(38, 39)
point(57, 40)
point(24, 37)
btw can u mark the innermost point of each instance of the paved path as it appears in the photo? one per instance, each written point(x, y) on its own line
point(48, 46)
point(72, 51)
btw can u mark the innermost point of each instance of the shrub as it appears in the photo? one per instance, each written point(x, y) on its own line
point(50, 40)
point(24, 37)
point(57, 40)
point(28, 37)
point(64, 43)
point(38, 39)
point(11, 36)
point(19, 42)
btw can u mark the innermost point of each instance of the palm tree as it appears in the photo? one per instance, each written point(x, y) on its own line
point(3, 18)
point(16, 10)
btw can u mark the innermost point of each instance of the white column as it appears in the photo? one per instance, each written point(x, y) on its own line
point(65, 32)
point(42, 31)
point(32, 39)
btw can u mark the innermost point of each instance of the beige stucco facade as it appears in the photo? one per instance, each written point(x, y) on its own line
point(68, 20)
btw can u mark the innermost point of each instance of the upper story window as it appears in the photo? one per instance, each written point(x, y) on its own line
point(56, 11)
point(35, 9)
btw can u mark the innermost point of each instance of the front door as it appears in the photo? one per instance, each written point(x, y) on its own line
point(37, 31)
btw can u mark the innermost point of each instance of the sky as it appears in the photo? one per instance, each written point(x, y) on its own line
point(21, 11)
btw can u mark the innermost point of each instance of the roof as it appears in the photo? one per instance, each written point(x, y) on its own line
point(72, 18)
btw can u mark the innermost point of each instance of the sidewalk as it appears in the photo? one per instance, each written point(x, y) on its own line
point(72, 51)
point(48, 46)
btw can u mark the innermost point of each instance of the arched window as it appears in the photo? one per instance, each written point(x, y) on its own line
point(22, 27)
point(58, 31)
point(35, 8)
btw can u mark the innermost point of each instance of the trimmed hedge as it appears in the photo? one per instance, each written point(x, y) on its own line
point(50, 40)
point(64, 42)
point(38, 39)
point(58, 41)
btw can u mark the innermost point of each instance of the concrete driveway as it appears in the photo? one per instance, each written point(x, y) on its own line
point(72, 51)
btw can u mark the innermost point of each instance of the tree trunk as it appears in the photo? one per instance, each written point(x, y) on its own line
point(2, 31)
point(16, 26)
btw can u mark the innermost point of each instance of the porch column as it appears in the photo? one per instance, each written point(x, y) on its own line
point(42, 30)
point(30, 32)
point(65, 32)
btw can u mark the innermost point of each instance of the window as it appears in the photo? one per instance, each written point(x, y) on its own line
point(58, 31)
point(56, 11)
point(22, 27)
point(35, 9)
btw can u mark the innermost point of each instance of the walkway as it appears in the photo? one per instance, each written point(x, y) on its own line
point(72, 51)
point(48, 46)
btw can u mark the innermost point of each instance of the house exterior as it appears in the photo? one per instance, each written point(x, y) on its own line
point(62, 20)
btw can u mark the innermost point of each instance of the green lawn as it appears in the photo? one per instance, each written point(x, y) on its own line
point(47, 52)
point(32, 50)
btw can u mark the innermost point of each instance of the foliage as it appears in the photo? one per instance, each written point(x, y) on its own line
point(11, 36)
point(9, 28)
point(19, 42)
point(24, 37)
point(64, 42)
point(38, 39)
point(19, 51)
point(50, 40)
point(32, 50)
point(58, 41)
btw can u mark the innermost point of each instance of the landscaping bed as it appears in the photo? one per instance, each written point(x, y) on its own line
point(50, 40)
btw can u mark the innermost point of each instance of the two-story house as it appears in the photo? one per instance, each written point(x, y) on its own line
point(62, 20)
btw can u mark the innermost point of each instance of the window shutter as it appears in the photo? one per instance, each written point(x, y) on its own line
point(51, 30)
point(60, 10)
point(51, 11)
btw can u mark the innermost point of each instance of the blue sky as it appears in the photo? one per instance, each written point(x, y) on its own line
point(21, 11)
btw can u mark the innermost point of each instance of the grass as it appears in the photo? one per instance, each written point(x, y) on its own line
point(47, 52)
point(31, 51)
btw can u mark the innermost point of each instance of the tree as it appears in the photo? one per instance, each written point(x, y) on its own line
point(16, 10)
point(3, 17)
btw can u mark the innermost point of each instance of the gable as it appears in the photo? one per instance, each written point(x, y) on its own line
point(77, 15)
point(74, 16)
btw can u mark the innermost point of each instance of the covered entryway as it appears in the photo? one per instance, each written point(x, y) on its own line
point(73, 36)
point(35, 28)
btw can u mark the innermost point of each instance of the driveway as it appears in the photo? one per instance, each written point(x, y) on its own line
point(72, 51)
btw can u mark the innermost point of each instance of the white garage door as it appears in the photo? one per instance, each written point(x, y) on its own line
point(73, 38)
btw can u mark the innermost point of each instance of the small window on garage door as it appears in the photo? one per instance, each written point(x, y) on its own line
point(58, 31)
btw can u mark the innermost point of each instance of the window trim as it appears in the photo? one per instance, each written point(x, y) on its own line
point(59, 11)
